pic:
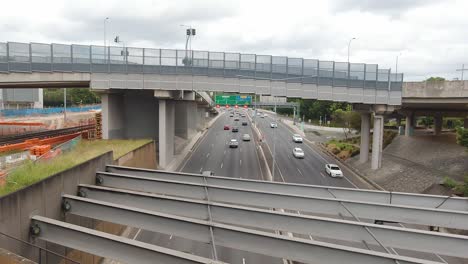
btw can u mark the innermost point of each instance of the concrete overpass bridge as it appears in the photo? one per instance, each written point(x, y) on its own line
point(141, 85)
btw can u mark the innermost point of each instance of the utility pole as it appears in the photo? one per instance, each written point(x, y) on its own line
point(105, 38)
point(462, 70)
point(64, 107)
point(274, 143)
point(190, 33)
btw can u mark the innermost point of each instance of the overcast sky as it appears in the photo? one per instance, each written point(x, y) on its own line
point(430, 35)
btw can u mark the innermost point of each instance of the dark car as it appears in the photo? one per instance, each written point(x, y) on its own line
point(244, 123)
point(235, 129)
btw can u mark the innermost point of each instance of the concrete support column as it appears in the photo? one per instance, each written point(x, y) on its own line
point(185, 119)
point(409, 127)
point(113, 116)
point(200, 118)
point(166, 132)
point(365, 136)
point(438, 120)
point(377, 142)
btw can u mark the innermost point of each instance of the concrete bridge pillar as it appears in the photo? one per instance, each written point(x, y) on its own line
point(377, 142)
point(365, 136)
point(113, 115)
point(166, 131)
point(200, 117)
point(409, 127)
point(438, 121)
point(185, 119)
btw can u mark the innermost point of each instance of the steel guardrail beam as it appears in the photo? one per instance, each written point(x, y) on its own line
point(384, 197)
point(328, 206)
point(107, 245)
point(270, 244)
point(343, 230)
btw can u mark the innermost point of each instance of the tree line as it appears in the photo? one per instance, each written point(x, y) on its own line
point(54, 97)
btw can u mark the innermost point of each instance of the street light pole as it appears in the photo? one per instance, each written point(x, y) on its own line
point(65, 107)
point(396, 63)
point(349, 44)
point(105, 37)
point(274, 143)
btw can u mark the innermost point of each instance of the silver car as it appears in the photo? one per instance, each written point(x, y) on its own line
point(298, 153)
point(297, 138)
point(246, 137)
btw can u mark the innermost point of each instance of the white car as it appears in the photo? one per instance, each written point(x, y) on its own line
point(246, 137)
point(333, 170)
point(233, 143)
point(298, 153)
point(273, 125)
point(297, 138)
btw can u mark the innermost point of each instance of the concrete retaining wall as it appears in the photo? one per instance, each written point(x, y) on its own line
point(44, 198)
point(436, 89)
point(142, 157)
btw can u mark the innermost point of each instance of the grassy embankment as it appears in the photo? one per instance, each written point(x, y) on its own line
point(31, 172)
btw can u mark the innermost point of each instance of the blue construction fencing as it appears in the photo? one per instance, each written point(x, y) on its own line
point(45, 111)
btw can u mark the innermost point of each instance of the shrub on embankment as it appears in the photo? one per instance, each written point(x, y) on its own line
point(459, 188)
point(346, 148)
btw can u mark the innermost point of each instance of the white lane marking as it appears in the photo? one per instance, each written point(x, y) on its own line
point(170, 237)
point(212, 145)
point(201, 169)
point(137, 233)
point(289, 156)
point(240, 149)
point(225, 152)
point(207, 154)
point(243, 260)
point(300, 172)
point(240, 162)
point(222, 165)
point(321, 174)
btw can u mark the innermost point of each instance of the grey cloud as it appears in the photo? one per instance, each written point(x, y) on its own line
point(387, 7)
point(163, 29)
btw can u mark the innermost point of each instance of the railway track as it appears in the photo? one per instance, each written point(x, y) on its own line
point(43, 134)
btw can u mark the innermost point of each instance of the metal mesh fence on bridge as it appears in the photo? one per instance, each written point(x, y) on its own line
point(37, 57)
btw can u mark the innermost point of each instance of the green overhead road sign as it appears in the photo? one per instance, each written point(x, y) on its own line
point(233, 99)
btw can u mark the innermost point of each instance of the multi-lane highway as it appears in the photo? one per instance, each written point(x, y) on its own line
point(212, 153)
point(310, 170)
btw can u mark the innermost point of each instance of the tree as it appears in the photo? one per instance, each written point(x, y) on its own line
point(435, 79)
point(53, 97)
point(348, 120)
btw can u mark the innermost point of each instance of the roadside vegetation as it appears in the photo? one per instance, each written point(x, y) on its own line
point(53, 97)
point(32, 172)
point(459, 188)
point(346, 148)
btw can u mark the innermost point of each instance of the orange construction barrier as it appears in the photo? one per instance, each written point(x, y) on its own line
point(37, 142)
point(22, 123)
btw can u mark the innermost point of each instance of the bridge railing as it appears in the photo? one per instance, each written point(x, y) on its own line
point(37, 57)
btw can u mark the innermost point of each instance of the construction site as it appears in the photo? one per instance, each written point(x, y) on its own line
point(44, 135)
